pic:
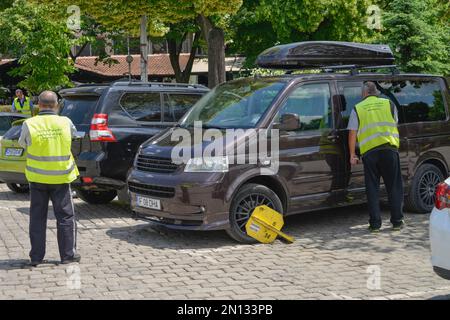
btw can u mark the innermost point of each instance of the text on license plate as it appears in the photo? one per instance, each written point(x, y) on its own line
point(148, 203)
point(13, 152)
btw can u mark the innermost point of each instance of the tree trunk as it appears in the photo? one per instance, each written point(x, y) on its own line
point(216, 57)
point(174, 55)
point(144, 49)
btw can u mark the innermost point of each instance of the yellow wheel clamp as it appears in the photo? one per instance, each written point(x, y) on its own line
point(265, 224)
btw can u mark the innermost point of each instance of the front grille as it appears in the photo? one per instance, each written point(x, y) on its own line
point(151, 190)
point(155, 164)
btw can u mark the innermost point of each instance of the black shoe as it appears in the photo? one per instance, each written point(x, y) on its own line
point(398, 226)
point(75, 258)
point(373, 229)
point(34, 264)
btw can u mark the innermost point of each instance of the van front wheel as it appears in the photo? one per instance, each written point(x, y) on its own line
point(422, 193)
point(246, 200)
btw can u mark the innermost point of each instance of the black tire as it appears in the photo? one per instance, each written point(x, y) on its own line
point(422, 192)
point(18, 188)
point(97, 197)
point(240, 212)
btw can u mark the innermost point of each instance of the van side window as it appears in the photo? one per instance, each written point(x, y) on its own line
point(177, 104)
point(350, 95)
point(312, 103)
point(416, 101)
point(142, 106)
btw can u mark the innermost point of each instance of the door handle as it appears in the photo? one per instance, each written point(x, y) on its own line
point(332, 137)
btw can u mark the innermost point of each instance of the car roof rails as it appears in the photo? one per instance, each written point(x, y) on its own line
point(354, 69)
point(159, 84)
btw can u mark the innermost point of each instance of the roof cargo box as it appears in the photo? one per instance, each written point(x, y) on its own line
point(320, 54)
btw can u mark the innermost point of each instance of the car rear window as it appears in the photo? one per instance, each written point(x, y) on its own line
point(5, 124)
point(13, 133)
point(79, 109)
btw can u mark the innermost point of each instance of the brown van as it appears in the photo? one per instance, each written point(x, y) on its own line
point(311, 113)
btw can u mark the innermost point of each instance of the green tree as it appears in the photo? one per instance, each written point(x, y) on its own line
point(260, 24)
point(419, 34)
point(41, 45)
point(126, 15)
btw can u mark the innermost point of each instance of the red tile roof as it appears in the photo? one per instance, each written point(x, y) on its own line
point(158, 64)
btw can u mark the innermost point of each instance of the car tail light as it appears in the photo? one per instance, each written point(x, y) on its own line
point(87, 180)
point(442, 196)
point(99, 129)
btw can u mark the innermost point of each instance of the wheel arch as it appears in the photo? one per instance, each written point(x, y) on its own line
point(271, 182)
point(435, 159)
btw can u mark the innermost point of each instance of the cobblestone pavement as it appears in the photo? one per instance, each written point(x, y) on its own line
point(333, 257)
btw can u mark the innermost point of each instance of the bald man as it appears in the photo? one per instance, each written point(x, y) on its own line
point(50, 169)
point(373, 122)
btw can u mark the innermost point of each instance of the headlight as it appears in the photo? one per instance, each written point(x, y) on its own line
point(207, 164)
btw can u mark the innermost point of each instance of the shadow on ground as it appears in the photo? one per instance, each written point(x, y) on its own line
point(332, 229)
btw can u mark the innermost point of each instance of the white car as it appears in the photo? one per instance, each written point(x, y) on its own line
point(440, 231)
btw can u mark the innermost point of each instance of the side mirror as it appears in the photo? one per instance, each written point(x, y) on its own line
point(288, 122)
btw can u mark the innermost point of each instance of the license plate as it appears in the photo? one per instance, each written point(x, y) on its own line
point(13, 152)
point(148, 203)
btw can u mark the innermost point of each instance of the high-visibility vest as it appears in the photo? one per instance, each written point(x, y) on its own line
point(377, 125)
point(49, 157)
point(26, 108)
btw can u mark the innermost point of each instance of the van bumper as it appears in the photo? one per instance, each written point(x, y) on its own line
point(194, 203)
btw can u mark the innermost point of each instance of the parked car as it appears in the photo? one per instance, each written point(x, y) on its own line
point(113, 120)
point(116, 120)
point(440, 231)
point(311, 112)
point(6, 120)
point(12, 157)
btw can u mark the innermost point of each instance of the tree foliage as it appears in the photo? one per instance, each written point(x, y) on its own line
point(42, 46)
point(260, 24)
point(418, 31)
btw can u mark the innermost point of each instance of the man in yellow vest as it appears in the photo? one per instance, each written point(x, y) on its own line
point(22, 104)
point(374, 123)
point(50, 168)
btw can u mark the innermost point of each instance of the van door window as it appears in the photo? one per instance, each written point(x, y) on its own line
point(312, 104)
point(350, 95)
point(416, 101)
point(177, 104)
point(142, 106)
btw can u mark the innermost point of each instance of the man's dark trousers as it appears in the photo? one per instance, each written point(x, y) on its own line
point(383, 162)
point(61, 197)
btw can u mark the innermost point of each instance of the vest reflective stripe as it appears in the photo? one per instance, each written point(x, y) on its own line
point(26, 108)
point(376, 123)
point(379, 134)
point(51, 172)
point(49, 158)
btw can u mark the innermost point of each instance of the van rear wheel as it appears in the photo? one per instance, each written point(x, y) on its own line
point(422, 194)
point(246, 200)
point(18, 188)
point(97, 197)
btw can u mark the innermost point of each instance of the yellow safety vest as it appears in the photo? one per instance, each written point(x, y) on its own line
point(377, 126)
point(49, 157)
point(26, 108)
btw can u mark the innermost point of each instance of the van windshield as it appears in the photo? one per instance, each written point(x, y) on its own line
point(236, 104)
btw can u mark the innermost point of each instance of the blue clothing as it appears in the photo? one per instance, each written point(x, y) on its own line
point(13, 107)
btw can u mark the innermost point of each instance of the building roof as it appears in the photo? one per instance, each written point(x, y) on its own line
point(158, 65)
